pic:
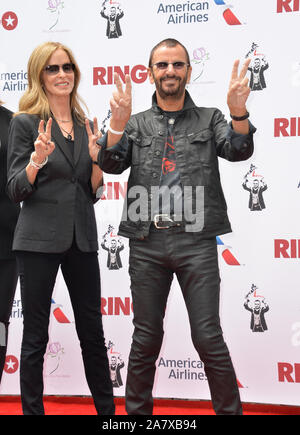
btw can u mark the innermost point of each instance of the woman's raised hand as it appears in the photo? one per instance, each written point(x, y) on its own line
point(43, 145)
point(93, 136)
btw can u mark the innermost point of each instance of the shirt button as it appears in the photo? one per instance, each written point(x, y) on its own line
point(160, 133)
point(154, 175)
point(157, 153)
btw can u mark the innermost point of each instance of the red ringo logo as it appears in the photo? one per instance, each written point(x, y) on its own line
point(9, 20)
point(11, 364)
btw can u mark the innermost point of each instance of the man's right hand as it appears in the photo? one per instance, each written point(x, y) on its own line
point(120, 104)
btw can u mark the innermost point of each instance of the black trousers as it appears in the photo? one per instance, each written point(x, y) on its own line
point(8, 283)
point(38, 272)
point(152, 263)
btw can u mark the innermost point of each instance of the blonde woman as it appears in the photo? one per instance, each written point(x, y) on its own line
point(50, 170)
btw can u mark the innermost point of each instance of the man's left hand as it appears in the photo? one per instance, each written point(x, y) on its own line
point(239, 90)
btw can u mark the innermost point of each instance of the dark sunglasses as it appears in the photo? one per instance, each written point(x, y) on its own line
point(176, 65)
point(54, 69)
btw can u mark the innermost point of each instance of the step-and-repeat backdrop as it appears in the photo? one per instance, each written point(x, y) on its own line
point(259, 261)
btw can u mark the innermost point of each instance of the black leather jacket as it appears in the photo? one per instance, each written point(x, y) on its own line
point(201, 135)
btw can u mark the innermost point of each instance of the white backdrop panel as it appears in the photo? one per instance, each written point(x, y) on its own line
point(262, 254)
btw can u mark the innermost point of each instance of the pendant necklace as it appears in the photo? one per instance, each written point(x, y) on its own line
point(69, 134)
point(69, 137)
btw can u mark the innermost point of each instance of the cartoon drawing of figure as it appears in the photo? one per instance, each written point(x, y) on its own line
point(257, 68)
point(255, 185)
point(113, 14)
point(256, 200)
point(115, 366)
point(104, 124)
point(258, 308)
point(113, 250)
point(257, 78)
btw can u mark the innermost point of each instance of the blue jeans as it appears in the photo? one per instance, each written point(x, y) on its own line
point(152, 263)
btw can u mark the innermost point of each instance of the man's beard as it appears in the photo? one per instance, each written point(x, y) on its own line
point(173, 91)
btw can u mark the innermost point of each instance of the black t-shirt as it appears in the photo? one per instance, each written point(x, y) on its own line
point(70, 145)
point(170, 187)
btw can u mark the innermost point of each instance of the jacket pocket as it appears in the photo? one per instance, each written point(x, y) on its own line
point(200, 146)
point(140, 149)
point(37, 220)
point(200, 136)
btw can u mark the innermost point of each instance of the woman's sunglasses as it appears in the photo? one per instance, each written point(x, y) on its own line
point(54, 69)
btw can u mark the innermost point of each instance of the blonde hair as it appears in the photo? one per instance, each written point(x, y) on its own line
point(34, 101)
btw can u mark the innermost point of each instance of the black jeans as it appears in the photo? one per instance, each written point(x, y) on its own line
point(151, 265)
point(8, 283)
point(37, 278)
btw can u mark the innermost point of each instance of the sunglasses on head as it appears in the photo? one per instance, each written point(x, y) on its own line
point(54, 69)
point(164, 65)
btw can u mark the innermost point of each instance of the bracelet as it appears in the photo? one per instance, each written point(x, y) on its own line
point(240, 118)
point(115, 132)
point(37, 165)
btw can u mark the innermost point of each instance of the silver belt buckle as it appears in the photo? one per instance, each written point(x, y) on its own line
point(157, 219)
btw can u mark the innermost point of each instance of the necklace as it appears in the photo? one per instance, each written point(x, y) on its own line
point(63, 120)
point(69, 137)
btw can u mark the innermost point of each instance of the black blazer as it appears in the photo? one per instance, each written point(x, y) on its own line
point(8, 211)
point(60, 203)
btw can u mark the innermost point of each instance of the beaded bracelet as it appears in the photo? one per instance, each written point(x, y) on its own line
point(37, 165)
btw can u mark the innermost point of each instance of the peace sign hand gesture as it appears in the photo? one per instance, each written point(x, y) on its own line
point(120, 104)
point(43, 145)
point(239, 90)
point(93, 137)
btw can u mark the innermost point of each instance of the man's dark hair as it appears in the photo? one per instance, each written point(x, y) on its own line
point(169, 42)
